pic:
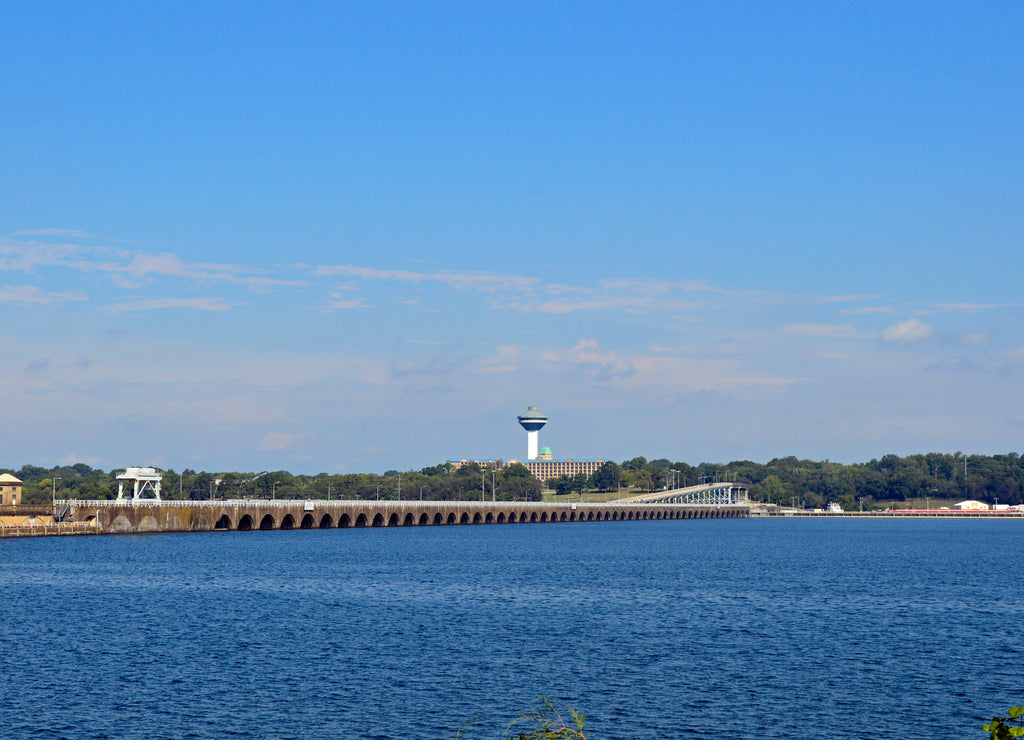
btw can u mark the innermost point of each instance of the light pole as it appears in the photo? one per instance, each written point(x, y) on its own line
point(421, 493)
point(273, 491)
point(53, 495)
point(399, 486)
point(492, 486)
point(378, 491)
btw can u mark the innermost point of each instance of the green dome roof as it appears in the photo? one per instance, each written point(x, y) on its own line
point(544, 451)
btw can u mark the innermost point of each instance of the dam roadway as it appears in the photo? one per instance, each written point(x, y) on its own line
point(127, 516)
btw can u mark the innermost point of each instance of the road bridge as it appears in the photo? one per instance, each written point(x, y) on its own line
point(256, 514)
point(706, 494)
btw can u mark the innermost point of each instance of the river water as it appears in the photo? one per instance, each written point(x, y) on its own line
point(742, 628)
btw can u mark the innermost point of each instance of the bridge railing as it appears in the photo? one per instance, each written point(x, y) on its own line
point(323, 503)
point(288, 503)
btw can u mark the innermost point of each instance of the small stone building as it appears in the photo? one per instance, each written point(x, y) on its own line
point(10, 490)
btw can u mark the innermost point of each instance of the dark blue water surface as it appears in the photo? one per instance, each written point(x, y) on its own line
point(661, 629)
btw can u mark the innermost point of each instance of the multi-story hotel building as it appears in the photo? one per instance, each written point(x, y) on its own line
point(548, 469)
point(541, 469)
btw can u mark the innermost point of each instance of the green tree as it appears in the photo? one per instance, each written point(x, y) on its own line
point(516, 470)
point(563, 485)
point(637, 463)
point(773, 490)
point(516, 483)
point(607, 477)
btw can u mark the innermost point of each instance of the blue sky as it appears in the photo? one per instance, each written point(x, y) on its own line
point(350, 237)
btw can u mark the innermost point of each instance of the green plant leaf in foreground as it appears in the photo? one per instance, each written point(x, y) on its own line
point(1006, 728)
point(547, 724)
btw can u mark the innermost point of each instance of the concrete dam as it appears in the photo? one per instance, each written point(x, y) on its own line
point(140, 516)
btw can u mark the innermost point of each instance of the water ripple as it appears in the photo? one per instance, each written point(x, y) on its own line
point(696, 629)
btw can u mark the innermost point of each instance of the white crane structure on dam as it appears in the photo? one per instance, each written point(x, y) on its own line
point(143, 480)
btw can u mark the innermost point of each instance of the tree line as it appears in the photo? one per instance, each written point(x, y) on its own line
point(787, 481)
point(471, 483)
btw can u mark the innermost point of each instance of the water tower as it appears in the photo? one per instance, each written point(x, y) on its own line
point(532, 420)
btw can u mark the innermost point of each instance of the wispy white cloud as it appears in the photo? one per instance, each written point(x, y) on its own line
point(340, 302)
point(656, 286)
point(33, 295)
point(132, 268)
point(343, 305)
point(976, 307)
point(1013, 356)
point(831, 331)
point(864, 310)
point(155, 304)
point(531, 294)
point(670, 374)
point(649, 285)
point(129, 268)
point(65, 233)
point(25, 257)
point(801, 299)
point(911, 331)
point(987, 363)
point(506, 360)
point(434, 367)
point(475, 280)
point(599, 364)
point(595, 301)
point(46, 363)
point(280, 441)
